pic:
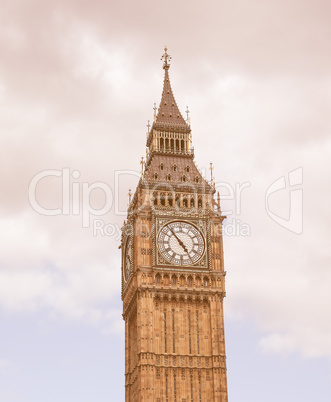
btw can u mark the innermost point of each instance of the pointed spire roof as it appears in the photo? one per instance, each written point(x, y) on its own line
point(167, 117)
point(168, 111)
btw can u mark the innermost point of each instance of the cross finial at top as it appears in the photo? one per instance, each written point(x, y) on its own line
point(166, 58)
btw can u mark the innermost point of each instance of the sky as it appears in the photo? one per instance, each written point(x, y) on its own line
point(78, 82)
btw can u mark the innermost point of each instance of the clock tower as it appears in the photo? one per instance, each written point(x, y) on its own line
point(173, 271)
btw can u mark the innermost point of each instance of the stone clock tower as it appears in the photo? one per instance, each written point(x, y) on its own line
point(173, 271)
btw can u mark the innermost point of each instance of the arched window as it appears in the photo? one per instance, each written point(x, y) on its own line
point(200, 202)
point(192, 202)
point(172, 145)
point(155, 198)
point(156, 176)
point(190, 281)
point(184, 179)
point(169, 177)
point(170, 200)
point(182, 280)
point(187, 169)
point(162, 199)
point(196, 179)
point(174, 168)
point(162, 144)
point(198, 281)
point(173, 280)
point(205, 282)
point(166, 279)
point(185, 202)
point(158, 279)
point(161, 166)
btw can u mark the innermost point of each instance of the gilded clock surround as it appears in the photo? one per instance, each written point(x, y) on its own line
point(161, 261)
point(127, 239)
point(180, 243)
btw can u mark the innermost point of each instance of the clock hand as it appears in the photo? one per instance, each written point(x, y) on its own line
point(179, 241)
point(188, 255)
point(183, 245)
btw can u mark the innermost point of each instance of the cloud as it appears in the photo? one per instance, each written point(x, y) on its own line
point(276, 343)
point(77, 86)
point(6, 365)
point(42, 269)
point(280, 279)
point(81, 294)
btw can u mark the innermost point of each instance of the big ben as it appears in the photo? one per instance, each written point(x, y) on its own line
point(173, 271)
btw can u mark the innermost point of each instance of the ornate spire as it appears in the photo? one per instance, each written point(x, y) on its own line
point(155, 109)
point(211, 173)
point(168, 122)
point(168, 111)
point(130, 196)
point(142, 162)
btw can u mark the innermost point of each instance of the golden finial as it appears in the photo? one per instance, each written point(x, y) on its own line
point(211, 173)
point(165, 57)
point(218, 201)
point(155, 109)
point(130, 195)
point(148, 126)
point(142, 162)
point(187, 113)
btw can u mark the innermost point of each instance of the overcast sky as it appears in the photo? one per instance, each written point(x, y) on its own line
point(78, 81)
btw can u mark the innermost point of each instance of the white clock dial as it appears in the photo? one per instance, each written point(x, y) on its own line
point(181, 243)
point(127, 259)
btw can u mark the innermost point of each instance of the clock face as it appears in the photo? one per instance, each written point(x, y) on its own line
point(127, 259)
point(181, 243)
